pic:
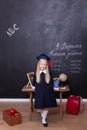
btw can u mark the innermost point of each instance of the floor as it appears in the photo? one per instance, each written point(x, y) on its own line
point(69, 122)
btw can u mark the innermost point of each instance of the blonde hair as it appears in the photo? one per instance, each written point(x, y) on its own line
point(47, 75)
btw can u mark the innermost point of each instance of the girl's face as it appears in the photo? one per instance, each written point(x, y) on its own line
point(43, 64)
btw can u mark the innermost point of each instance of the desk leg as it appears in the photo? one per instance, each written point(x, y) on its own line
point(31, 105)
point(61, 107)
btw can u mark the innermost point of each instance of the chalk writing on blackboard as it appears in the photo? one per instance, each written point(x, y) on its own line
point(66, 56)
point(65, 50)
point(67, 47)
point(75, 66)
point(12, 30)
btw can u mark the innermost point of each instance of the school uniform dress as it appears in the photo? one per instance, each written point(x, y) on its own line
point(44, 93)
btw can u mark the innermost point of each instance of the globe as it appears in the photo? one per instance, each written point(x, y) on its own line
point(63, 77)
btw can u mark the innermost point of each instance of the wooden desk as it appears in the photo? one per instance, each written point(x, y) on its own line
point(31, 91)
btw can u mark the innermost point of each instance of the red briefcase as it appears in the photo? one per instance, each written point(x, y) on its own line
point(73, 105)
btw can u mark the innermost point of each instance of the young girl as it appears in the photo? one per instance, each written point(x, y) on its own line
point(44, 93)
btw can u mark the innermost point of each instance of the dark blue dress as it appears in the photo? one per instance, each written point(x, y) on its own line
point(44, 93)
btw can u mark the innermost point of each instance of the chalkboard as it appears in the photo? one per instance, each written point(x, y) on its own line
point(29, 28)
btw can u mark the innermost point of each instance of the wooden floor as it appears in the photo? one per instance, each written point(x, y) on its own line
point(69, 122)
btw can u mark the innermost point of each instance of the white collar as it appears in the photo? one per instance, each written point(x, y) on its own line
point(44, 71)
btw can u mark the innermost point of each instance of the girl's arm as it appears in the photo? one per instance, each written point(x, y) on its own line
point(51, 77)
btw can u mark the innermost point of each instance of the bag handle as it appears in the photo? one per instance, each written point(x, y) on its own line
point(81, 105)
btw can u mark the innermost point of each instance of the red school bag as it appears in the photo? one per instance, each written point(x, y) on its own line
point(73, 105)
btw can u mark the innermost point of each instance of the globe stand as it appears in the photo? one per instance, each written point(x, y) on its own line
point(62, 84)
